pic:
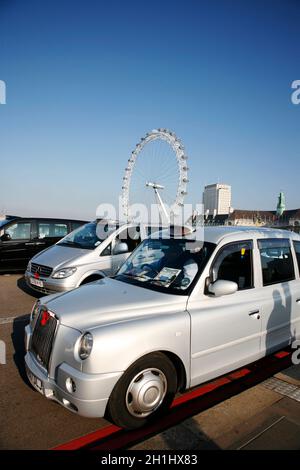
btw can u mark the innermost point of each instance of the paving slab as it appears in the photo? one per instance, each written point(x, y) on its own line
point(217, 427)
point(239, 436)
point(282, 435)
point(184, 436)
point(289, 408)
point(290, 375)
point(283, 388)
point(231, 413)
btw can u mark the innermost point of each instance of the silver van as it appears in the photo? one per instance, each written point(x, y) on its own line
point(93, 251)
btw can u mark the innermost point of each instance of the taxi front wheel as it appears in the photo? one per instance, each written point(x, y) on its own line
point(145, 390)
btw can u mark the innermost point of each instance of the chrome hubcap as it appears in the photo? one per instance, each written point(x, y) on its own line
point(146, 392)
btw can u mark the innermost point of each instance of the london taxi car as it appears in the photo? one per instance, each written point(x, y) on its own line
point(183, 309)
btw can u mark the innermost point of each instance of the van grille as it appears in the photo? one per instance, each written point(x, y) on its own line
point(44, 271)
point(42, 337)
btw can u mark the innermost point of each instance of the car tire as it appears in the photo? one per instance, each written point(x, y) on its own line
point(145, 390)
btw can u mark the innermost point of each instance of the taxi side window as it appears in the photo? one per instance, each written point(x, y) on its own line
point(276, 261)
point(234, 263)
point(297, 250)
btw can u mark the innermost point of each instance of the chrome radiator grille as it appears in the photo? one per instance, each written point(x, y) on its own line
point(43, 336)
point(44, 271)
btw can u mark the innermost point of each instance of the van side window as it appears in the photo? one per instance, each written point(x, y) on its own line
point(276, 261)
point(19, 231)
point(131, 236)
point(234, 263)
point(106, 251)
point(297, 250)
point(52, 230)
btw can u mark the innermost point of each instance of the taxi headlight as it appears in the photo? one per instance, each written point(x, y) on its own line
point(85, 346)
point(35, 311)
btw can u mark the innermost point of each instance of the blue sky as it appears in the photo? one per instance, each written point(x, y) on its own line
point(87, 79)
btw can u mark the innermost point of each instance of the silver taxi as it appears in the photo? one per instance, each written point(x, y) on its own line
point(182, 310)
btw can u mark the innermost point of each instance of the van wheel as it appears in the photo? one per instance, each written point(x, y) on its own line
point(146, 389)
point(91, 279)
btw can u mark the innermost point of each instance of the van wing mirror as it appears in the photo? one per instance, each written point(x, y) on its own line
point(121, 248)
point(222, 287)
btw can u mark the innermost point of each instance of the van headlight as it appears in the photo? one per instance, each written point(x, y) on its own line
point(28, 267)
point(64, 272)
point(85, 346)
point(35, 311)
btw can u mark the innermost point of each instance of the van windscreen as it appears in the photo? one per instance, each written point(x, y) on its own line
point(89, 236)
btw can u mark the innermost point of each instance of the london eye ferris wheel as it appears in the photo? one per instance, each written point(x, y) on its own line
point(156, 172)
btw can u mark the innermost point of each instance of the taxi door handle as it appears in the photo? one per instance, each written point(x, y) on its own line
point(254, 313)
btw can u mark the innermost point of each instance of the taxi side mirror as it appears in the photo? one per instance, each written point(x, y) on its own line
point(222, 287)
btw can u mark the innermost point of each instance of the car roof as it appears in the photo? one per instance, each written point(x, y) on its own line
point(217, 233)
point(42, 218)
point(214, 234)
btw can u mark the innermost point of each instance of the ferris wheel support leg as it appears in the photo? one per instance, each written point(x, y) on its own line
point(161, 206)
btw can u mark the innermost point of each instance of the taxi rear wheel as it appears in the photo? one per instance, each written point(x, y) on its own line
point(145, 391)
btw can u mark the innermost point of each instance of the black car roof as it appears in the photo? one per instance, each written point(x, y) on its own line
point(43, 218)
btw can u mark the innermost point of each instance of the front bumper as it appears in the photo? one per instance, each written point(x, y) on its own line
point(50, 285)
point(91, 393)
